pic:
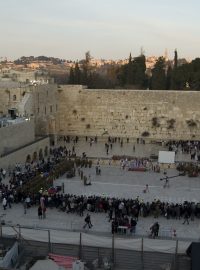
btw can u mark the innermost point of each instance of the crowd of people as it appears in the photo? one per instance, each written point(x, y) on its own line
point(24, 173)
point(119, 211)
point(185, 147)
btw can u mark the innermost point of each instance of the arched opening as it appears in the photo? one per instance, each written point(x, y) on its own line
point(34, 156)
point(40, 154)
point(28, 159)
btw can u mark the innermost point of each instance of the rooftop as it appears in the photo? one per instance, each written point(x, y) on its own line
point(10, 84)
point(8, 121)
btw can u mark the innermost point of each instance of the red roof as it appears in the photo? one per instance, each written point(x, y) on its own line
point(65, 261)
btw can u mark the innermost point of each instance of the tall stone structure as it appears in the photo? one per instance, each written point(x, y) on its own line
point(158, 114)
point(75, 110)
point(39, 101)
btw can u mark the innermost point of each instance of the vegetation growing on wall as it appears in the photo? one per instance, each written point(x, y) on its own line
point(145, 134)
point(74, 111)
point(155, 122)
point(191, 123)
point(170, 123)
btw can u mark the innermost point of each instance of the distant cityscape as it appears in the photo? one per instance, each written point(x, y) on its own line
point(105, 73)
point(41, 62)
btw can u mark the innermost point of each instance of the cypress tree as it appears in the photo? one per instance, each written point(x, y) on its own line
point(77, 74)
point(175, 59)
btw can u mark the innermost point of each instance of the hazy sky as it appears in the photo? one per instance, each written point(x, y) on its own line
point(107, 28)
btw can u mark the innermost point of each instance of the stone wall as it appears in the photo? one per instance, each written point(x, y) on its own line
point(10, 99)
point(45, 108)
point(16, 135)
point(40, 101)
point(20, 156)
point(129, 113)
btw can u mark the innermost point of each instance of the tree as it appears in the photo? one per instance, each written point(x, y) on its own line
point(129, 74)
point(77, 74)
point(175, 59)
point(158, 79)
point(181, 76)
point(71, 76)
point(139, 66)
point(133, 73)
point(86, 69)
point(169, 78)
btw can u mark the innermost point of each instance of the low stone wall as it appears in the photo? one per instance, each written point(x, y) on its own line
point(20, 156)
point(16, 135)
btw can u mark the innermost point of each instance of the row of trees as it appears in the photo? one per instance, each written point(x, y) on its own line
point(89, 76)
point(113, 76)
point(28, 59)
point(133, 74)
point(186, 76)
point(165, 75)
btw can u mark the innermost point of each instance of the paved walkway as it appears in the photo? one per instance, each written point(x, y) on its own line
point(98, 149)
point(115, 182)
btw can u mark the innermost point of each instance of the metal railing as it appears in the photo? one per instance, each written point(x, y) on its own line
point(89, 248)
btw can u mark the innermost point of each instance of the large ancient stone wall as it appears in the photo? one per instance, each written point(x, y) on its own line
point(129, 113)
point(45, 108)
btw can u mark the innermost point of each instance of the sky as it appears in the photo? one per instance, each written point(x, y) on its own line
point(109, 29)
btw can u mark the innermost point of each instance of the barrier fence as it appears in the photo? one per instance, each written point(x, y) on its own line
point(90, 247)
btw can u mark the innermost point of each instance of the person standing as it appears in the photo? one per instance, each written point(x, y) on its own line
point(40, 212)
point(4, 203)
point(166, 184)
point(155, 229)
point(133, 225)
point(186, 217)
point(146, 188)
point(25, 207)
point(88, 222)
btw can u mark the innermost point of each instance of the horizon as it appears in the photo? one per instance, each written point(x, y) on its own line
point(109, 29)
point(92, 57)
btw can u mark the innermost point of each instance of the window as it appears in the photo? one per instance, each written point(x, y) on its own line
point(51, 108)
point(14, 97)
point(45, 110)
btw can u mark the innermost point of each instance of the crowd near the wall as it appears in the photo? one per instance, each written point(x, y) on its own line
point(120, 212)
point(186, 147)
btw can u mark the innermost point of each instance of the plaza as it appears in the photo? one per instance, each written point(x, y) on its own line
point(117, 183)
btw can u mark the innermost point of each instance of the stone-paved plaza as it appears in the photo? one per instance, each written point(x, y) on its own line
point(115, 182)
